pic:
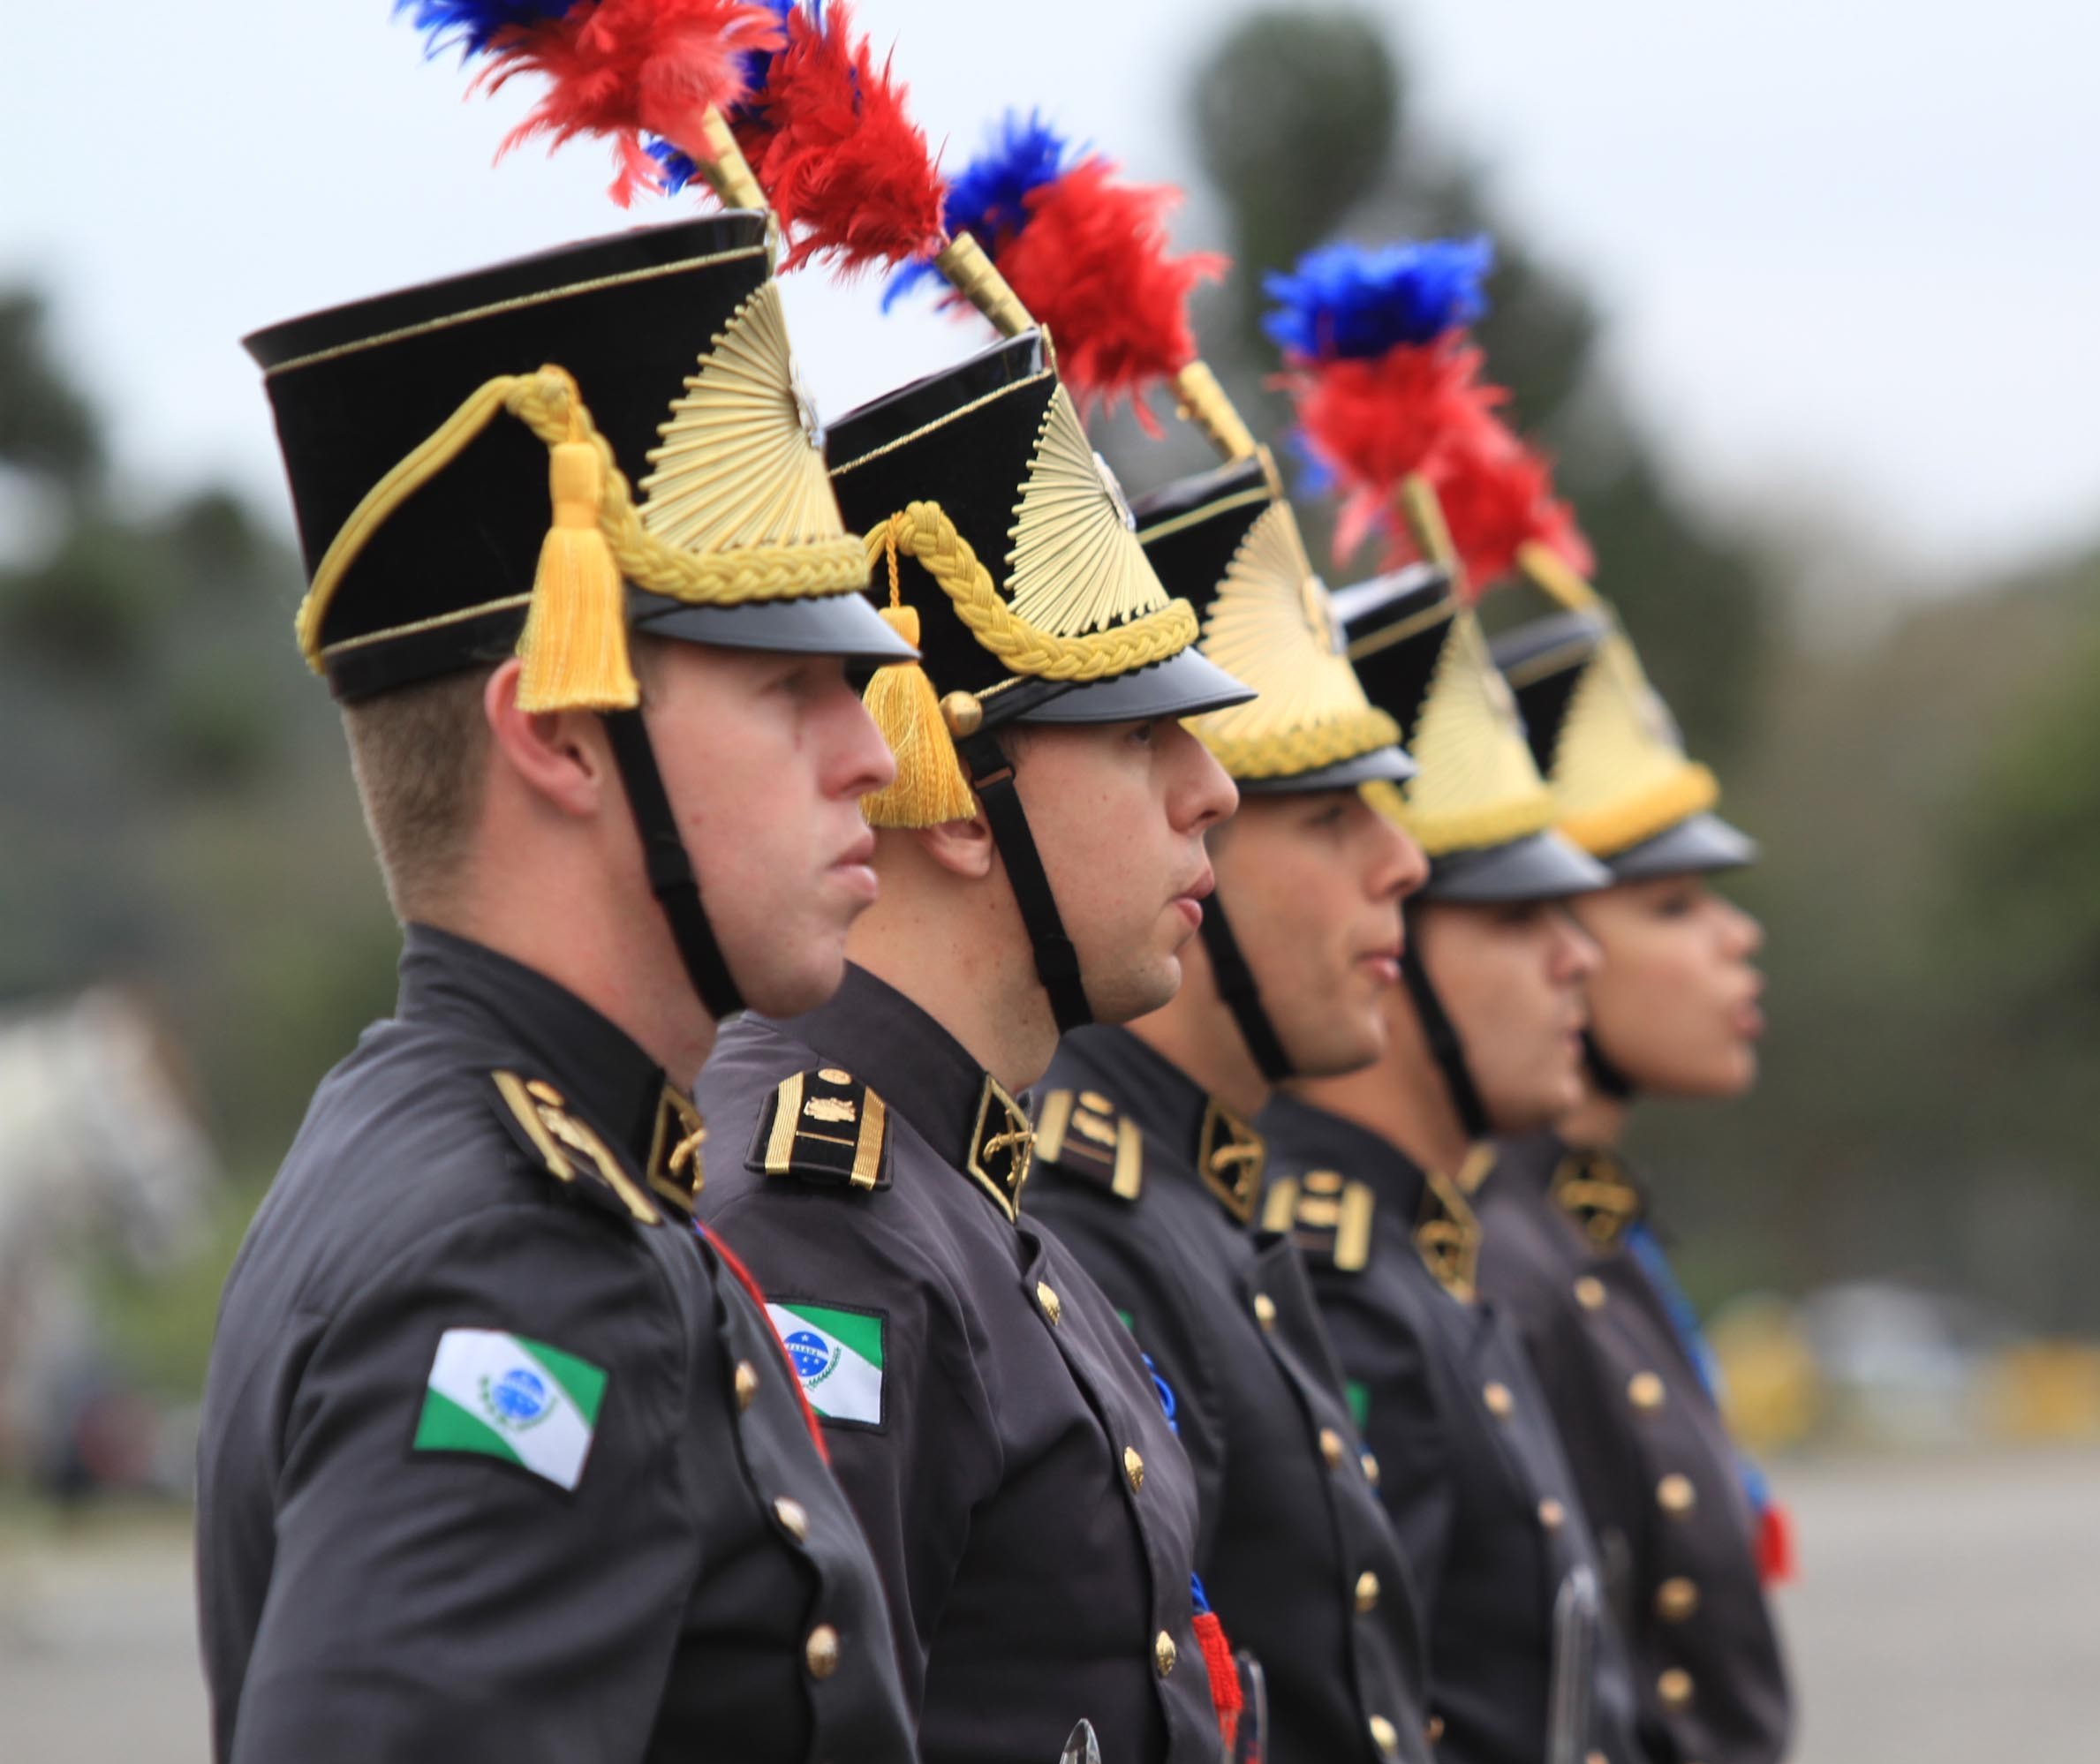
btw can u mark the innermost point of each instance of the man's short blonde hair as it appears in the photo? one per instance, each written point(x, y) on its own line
point(421, 758)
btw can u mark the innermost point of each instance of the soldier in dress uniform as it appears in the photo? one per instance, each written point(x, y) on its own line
point(502, 1459)
point(1149, 1167)
point(1041, 856)
point(1570, 1255)
point(1374, 1173)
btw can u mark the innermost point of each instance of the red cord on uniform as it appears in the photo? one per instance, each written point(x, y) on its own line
point(1225, 1675)
point(1776, 1564)
point(743, 1277)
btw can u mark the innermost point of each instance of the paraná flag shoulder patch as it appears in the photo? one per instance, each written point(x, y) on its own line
point(509, 1397)
point(837, 1355)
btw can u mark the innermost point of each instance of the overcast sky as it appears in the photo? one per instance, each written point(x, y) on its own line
point(1849, 250)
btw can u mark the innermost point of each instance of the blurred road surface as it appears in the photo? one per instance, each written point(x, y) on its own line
point(1948, 1611)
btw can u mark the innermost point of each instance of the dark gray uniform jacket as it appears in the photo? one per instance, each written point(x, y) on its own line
point(1153, 1185)
point(388, 1569)
point(1657, 1472)
point(1032, 1516)
point(1473, 1474)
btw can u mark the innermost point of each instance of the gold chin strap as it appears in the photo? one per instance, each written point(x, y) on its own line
point(575, 643)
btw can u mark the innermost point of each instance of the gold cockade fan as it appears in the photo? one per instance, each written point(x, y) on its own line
point(1271, 627)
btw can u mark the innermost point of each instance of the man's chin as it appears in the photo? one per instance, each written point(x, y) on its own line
point(805, 986)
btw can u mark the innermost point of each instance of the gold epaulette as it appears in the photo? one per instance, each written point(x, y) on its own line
point(1083, 1131)
point(569, 1149)
point(825, 1126)
point(1329, 1219)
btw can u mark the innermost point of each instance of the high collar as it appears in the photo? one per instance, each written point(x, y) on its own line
point(1308, 1138)
point(1525, 1163)
point(601, 1073)
point(923, 1073)
point(1199, 1139)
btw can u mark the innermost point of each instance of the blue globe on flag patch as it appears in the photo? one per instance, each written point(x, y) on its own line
point(813, 1354)
point(520, 1396)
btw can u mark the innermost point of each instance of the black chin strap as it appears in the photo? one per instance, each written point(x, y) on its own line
point(1444, 1044)
point(1056, 960)
point(670, 869)
point(1608, 1077)
point(1241, 996)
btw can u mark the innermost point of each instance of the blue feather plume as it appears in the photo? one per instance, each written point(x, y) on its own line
point(474, 24)
point(1350, 301)
point(988, 198)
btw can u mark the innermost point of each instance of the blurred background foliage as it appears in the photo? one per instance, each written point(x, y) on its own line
point(176, 809)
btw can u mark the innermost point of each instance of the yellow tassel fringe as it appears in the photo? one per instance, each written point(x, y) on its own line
point(574, 647)
point(929, 789)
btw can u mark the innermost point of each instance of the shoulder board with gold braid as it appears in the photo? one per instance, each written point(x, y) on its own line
point(825, 1126)
point(567, 1149)
point(1083, 1131)
point(1328, 1219)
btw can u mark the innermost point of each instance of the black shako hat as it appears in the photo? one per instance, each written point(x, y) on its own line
point(417, 428)
point(1623, 788)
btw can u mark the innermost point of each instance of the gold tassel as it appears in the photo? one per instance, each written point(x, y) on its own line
point(929, 789)
point(574, 645)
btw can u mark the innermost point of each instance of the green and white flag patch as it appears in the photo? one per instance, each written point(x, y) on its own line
point(838, 1356)
point(507, 1396)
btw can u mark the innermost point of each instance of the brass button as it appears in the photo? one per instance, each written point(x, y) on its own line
point(1133, 1468)
point(747, 1383)
point(1367, 1591)
point(1590, 1293)
point(1676, 1599)
point(1332, 1448)
point(1265, 1310)
point(832, 1074)
point(1165, 1654)
point(1384, 1735)
point(1499, 1402)
point(1675, 1495)
point(1432, 1729)
point(1552, 1514)
point(1645, 1391)
point(1046, 1295)
point(1370, 1469)
point(1674, 1687)
point(793, 1516)
point(821, 1651)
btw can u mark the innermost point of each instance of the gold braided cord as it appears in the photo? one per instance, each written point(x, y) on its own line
point(923, 530)
point(1619, 826)
point(549, 404)
point(1307, 747)
point(1467, 829)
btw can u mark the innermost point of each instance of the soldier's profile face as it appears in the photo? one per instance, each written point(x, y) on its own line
point(1313, 883)
point(1511, 977)
point(766, 757)
point(1119, 811)
point(1675, 1003)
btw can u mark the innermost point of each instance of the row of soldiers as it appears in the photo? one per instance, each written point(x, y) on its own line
point(924, 1199)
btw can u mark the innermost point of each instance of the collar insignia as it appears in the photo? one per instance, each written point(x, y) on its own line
point(568, 1148)
point(674, 1167)
point(825, 1126)
point(1229, 1157)
point(1449, 1233)
point(1001, 1147)
point(1593, 1188)
point(1083, 1131)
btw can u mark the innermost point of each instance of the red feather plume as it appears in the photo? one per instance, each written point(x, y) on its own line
point(845, 168)
point(1093, 266)
point(627, 68)
point(1498, 495)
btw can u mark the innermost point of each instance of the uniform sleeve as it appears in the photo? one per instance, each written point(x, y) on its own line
point(1393, 1387)
point(436, 1591)
point(919, 1455)
point(1141, 1276)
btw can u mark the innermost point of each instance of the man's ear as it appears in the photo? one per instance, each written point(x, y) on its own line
point(562, 758)
point(963, 849)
